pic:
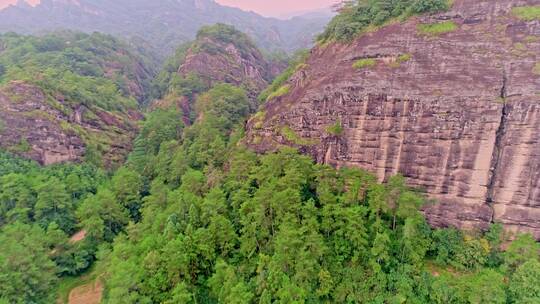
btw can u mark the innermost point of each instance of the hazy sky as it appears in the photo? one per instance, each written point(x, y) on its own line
point(264, 7)
point(4, 3)
point(278, 7)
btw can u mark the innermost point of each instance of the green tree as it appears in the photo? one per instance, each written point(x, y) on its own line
point(17, 199)
point(54, 205)
point(521, 250)
point(485, 287)
point(27, 274)
point(226, 104)
point(181, 294)
point(228, 287)
point(524, 286)
point(127, 186)
point(102, 216)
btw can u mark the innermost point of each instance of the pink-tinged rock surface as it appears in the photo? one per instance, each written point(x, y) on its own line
point(458, 114)
point(238, 63)
point(48, 131)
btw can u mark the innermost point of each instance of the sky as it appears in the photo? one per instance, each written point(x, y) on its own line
point(274, 8)
point(278, 8)
point(4, 3)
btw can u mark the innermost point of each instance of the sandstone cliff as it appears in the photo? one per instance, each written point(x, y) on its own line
point(67, 96)
point(224, 54)
point(221, 54)
point(33, 126)
point(451, 101)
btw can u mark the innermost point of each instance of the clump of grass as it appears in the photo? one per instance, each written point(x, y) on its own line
point(520, 46)
point(436, 29)
point(536, 69)
point(291, 136)
point(336, 129)
point(527, 13)
point(258, 119)
point(364, 63)
point(404, 57)
point(257, 140)
point(400, 59)
point(284, 89)
point(530, 39)
point(22, 146)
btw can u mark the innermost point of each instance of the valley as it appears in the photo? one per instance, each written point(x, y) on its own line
point(393, 162)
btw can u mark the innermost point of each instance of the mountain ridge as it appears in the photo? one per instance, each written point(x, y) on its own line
point(167, 23)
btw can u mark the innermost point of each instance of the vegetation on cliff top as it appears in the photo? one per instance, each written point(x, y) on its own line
point(225, 34)
point(92, 70)
point(94, 74)
point(364, 63)
point(358, 15)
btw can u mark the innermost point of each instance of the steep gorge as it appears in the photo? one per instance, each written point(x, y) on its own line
point(456, 111)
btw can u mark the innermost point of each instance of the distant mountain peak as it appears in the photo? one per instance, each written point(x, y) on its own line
point(161, 25)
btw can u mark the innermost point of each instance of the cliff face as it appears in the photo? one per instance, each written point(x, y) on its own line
point(223, 54)
point(215, 60)
point(220, 54)
point(33, 126)
point(66, 96)
point(456, 111)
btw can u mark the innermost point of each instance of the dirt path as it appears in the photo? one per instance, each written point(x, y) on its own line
point(87, 294)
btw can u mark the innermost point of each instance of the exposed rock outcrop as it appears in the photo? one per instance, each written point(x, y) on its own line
point(227, 62)
point(224, 54)
point(34, 126)
point(457, 113)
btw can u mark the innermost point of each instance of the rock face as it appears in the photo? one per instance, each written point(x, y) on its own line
point(71, 96)
point(223, 54)
point(457, 113)
point(222, 61)
point(32, 126)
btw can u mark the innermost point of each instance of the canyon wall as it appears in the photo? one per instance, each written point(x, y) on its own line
point(457, 112)
point(36, 127)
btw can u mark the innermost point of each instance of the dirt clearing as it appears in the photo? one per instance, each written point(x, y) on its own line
point(87, 294)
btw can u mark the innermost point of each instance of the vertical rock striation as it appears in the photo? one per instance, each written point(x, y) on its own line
point(456, 113)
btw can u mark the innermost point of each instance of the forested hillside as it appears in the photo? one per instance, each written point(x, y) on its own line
point(193, 215)
point(68, 96)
